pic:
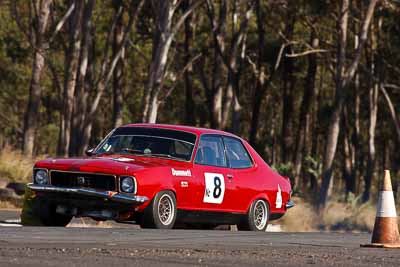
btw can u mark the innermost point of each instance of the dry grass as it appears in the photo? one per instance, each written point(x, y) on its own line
point(301, 218)
point(85, 223)
point(9, 205)
point(14, 166)
point(337, 216)
point(345, 217)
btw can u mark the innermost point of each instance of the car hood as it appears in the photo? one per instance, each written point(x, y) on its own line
point(115, 164)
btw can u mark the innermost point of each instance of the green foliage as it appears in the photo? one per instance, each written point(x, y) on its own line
point(312, 167)
point(284, 169)
point(353, 200)
point(48, 136)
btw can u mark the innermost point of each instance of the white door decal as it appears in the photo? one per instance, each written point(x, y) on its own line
point(215, 188)
point(278, 202)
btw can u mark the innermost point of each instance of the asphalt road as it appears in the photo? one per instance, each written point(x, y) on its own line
point(47, 246)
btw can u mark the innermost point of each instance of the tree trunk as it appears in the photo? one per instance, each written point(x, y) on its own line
point(392, 111)
point(373, 113)
point(71, 72)
point(35, 90)
point(348, 172)
point(164, 34)
point(236, 106)
point(376, 73)
point(218, 25)
point(306, 105)
point(81, 89)
point(260, 87)
point(356, 137)
point(107, 69)
point(334, 122)
point(343, 77)
point(289, 83)
point(233, 62)
point(118, 80)
point(189, 102)
point(227, 103)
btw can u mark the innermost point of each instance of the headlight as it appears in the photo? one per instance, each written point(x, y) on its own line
point(41, 177)
point(128, 184)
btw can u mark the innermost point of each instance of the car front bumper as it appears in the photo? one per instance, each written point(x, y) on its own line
point(110, 195)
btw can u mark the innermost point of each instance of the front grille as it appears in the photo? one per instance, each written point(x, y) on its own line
point(85, 180)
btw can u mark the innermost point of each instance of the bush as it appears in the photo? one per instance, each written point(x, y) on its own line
point(286, 170)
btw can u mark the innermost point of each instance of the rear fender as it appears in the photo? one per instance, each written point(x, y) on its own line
point(259, 196)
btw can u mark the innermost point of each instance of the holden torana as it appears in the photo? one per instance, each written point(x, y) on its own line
point(161, 176)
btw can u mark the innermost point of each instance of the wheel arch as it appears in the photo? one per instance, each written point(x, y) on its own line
point(153, 193)
point(263, 196)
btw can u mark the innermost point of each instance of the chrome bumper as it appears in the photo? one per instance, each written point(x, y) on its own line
point(289, 204)
point(113, 196)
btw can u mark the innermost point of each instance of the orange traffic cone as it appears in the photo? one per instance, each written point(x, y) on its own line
point(386, 231)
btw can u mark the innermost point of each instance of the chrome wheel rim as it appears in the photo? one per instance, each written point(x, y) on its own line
point(166, 209)
point(260, 214)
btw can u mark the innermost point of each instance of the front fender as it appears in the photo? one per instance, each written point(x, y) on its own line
point(151, 189)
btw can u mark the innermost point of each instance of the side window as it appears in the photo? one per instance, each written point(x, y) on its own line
point(211, 151)
point(182, 149)
point(236, 153)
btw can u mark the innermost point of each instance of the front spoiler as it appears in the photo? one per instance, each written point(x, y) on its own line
point(113, 196)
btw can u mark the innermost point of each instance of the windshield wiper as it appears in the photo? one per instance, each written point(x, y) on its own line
point(162, 155)
point(103, 153)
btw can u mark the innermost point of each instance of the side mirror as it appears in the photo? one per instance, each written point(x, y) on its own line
point(89, 152)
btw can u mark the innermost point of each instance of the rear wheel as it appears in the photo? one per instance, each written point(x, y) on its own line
point(161, 212)
point(256, 218)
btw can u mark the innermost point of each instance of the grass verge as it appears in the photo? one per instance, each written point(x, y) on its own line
point(14, 166)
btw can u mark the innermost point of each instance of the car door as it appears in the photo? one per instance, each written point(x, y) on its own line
point(211, 173)
point(243, 179)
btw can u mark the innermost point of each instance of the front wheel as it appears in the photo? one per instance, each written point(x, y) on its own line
point(49, 217)
point(256, 218)
point(161, 212)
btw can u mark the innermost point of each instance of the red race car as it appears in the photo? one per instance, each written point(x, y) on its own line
point(161, 176)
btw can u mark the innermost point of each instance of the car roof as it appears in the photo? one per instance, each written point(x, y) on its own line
point(183, 128)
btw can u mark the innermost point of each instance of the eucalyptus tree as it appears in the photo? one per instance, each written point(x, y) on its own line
point(164, 33)
point(39, 42)
point(344, 75)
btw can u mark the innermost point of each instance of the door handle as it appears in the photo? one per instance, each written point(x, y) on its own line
point(230, 176)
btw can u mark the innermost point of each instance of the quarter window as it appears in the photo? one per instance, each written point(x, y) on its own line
point(237, 155)
point(211, 151)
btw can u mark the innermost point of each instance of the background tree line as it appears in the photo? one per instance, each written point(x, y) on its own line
point(313, 85)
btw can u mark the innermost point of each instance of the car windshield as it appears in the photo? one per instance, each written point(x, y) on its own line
point(151, 142)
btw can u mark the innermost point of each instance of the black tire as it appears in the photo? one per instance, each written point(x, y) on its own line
point(249, 222)
point(161, 212)
point(48, 216)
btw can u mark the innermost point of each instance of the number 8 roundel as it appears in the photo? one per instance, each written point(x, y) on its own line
point(214, 188)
